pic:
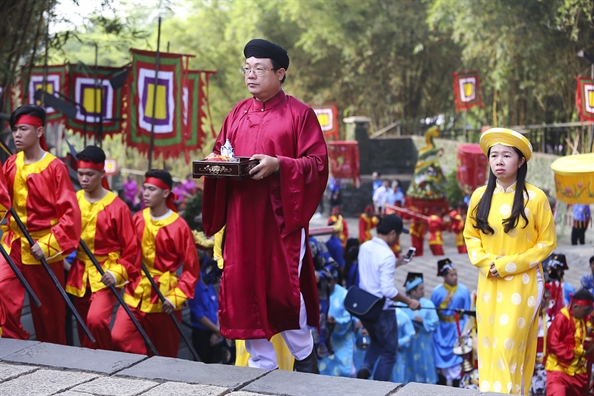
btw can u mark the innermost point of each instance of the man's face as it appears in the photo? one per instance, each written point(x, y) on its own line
point(580, 311)
point(266, 86)
point(26, 136)
point(375, 176)
point(451, 278)
point(418, 292)
point(153, 196)
point(89, 179)
point(592, 266)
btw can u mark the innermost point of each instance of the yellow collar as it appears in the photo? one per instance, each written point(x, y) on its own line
point(499, 188)
point(450, 288)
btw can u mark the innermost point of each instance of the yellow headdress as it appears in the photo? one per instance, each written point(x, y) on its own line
point(507, 137)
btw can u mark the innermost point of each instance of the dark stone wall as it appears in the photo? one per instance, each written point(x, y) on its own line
point(394, 158)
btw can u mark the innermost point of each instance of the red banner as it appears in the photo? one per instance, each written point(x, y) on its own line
point(98, 104)
point(344, 160)
point(472, 167)
point(166, 89)
point(467, 90)
point(584, 98)
point(55, 81)
point(328, 118)
point(196, 115)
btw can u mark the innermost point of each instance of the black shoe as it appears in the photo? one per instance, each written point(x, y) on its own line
point(363, 373)
point(456, 383)
point(307, 365)
point(441, 380)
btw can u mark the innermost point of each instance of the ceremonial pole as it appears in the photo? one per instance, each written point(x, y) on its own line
point(20, 276)
point(125, 306)
point(51, 274)
point(155, 85)
point(171, 315)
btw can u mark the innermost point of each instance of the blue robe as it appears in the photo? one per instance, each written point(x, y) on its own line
point(568, 292)
point(406, 333)
point(343, 337)
point(446, 335)
point(418, 359)
point(335, 249)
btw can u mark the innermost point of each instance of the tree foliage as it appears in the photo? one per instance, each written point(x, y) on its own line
point(384, 59)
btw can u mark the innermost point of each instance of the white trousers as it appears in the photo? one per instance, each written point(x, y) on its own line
point(299, 342)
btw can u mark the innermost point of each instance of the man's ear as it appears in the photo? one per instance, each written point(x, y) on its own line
point(166, 193)
point(40, 132)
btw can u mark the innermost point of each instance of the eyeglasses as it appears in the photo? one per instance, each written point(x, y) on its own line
point(258, 71)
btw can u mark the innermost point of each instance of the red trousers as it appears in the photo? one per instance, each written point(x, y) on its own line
point(561, 384)
point(436, 249)
point(417, 242)
point(96, 310)
point(49, 320)
point(158, 326)
point(462, 249)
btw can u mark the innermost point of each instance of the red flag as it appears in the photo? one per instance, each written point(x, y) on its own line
point(55, 79)
point(166, 91)
point(328, 118)
point(344, 160)
point(467, 90)
point(584, 98)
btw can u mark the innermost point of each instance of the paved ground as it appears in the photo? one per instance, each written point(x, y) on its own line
point(30, 368)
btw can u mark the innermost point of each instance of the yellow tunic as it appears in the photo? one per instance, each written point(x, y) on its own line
point(507, 307)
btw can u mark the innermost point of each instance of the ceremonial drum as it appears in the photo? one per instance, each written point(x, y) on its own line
point(472, 167)
point(574, 178)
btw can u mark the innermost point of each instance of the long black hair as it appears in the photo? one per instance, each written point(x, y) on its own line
point(480, 214)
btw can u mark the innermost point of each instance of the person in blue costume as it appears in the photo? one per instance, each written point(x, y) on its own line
point(334, 245)
point(587, 281)
point(343, 335)
point(206, 336)
point(420, 363)
point(326, 271)
point(406, 333)
point(448, 297)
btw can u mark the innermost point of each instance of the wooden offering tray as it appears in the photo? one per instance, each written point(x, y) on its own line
point(207, 167)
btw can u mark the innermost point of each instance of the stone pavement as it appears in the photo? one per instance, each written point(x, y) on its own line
point(31, 368)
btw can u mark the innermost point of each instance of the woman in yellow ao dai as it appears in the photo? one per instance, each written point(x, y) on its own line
point(510, 284)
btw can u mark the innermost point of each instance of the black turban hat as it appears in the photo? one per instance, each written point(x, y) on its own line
point(259, 48)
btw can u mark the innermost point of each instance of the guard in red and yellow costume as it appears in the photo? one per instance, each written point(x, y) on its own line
point(367, 222)
point(335, 218)
point(44, 199)
point(457, 227)
point(4, 207)
point(418, 229)
point(110, 235)
point(166, 243)
point(436, 227)
point(566, 360)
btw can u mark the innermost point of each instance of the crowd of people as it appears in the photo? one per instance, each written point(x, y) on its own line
point(255, 275)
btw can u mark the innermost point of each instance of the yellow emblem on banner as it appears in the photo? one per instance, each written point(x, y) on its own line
point(49, 88)
point(323, 119)
point(161, 107)
point(468, 89)
point(590, 99)
point(92, 98)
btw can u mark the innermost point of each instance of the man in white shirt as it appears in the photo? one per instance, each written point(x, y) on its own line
point(380, 195)
point(377, 264)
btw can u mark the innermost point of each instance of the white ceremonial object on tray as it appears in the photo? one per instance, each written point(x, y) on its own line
point(227, 151)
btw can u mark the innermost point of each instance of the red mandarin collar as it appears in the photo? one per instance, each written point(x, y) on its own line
point(270, 103)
